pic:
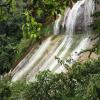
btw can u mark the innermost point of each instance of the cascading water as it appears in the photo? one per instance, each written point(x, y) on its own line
point(70, 19)
point(88, 11)
point(89, 7)
point(57, 24)
point(73, 16)
point(82, 46)
point(67, 10)
point(81, 9)
point(35, 57)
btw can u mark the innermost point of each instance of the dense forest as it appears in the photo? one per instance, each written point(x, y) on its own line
point(24, 23)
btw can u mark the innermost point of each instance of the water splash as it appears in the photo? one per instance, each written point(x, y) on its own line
point(83, 45)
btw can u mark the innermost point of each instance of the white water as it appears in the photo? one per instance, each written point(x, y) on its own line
point(51, 62)
point(74, 13)
point(39, 53)
point(66, 13)
point(57, 25)
point(71, 18)
point(70, 21)
point(89, 10)
point(83, 45)
point(67, 46)
point(53, 56)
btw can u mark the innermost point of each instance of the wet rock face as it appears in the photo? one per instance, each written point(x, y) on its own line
point(80, 21)
point(79, 27)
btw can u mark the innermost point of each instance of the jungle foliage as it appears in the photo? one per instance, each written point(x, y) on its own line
point(82, 82)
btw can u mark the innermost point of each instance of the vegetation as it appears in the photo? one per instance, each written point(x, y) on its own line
point(27, 22)
point(81, 82)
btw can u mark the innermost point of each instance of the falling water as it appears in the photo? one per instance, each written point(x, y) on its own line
point(35, 57)
point(83, 8)
point(89, 6)
point(71, 18)
point(74, 13)
point(57, 25)
point(88, 11)
point(84, 44)
point(63, 53)
point(70, 22)
point(53, 56)
point(67, 10)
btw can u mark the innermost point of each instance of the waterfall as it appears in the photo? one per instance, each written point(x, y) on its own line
point(89, 10)
point(80, 14)
point(33, 59)
point(57, 24)
point(82, 9)
point(73, 17)
point(66, 13)
point(51, 63)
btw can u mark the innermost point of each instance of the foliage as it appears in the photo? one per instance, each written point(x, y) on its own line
point(7, 52)
point(96, 18)
point(45, 11)
point(96, 23)
point(82, 82)
point(44, 8)
point(31, 28)
point(5, 91)
point(17, 90)
point(23, 23)
point(10, 33)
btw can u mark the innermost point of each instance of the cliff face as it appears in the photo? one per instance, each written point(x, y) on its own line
point(79, 24)
point(79, 28)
